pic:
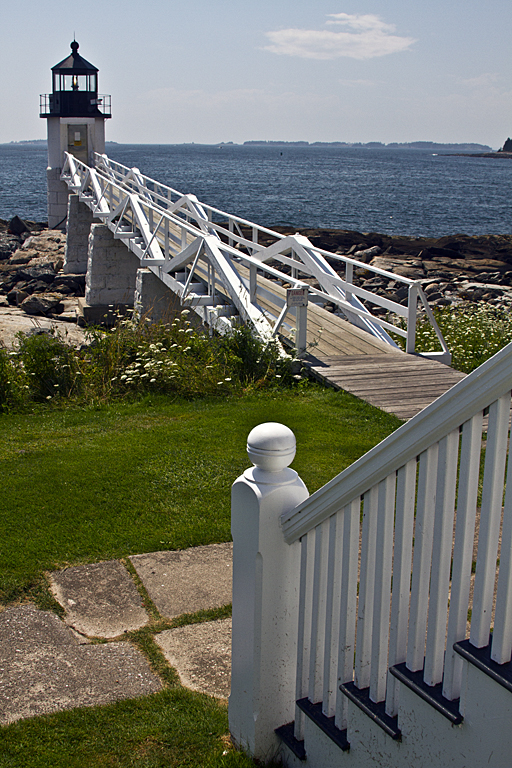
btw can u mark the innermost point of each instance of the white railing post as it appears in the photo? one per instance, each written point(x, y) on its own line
point(349, 277)
point(266, 576)
point(301, 338)
point(253, 282)
point(412, 308)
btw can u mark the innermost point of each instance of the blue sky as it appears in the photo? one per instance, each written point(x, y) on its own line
point(231, 70)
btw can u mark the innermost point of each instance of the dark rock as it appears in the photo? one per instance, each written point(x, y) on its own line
point(402, 291)
point(16, 296)
point(17, 226)
point(36, 286)
point(63, 288)
point(411, 272)
point(70, 277)
point(22, 257)
point(434, 296)
point(44, 272)
point(8, 245)
point(41, 303)
point(375, 282)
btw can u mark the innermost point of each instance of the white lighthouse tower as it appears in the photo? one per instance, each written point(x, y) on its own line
point(76, 117)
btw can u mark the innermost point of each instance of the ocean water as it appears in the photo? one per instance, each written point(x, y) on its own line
point(401, 192)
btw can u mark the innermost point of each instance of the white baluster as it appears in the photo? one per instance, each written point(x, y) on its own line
point(382, 599)
point(348, 605)
point(304, 627)
point(366, 590)
point(501, 651)
point(490, 519)
point(316, 658)
point(469, 472)
point(423, 533)
point(441, 557)
point(332, 609)
point(402, 560)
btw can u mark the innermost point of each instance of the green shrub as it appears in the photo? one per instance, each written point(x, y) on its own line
point(11, 385)
point(177, 358)
point(135, 358)
point(254, 360)
point(50, 366)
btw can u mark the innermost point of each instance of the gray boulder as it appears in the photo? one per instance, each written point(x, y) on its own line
point(42, 303)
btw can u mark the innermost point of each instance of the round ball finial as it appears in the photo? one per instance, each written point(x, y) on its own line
point(74, 46)
point(271, 446)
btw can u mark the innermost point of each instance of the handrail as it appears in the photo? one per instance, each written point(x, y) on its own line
point(473, 393)
point(265, 230)
point(195, 218)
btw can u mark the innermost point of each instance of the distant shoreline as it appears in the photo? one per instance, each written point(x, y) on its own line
point(427, 146)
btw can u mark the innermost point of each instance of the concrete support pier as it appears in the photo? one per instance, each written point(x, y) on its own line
point(111, 275)
point(80, 220)
point(153, 300)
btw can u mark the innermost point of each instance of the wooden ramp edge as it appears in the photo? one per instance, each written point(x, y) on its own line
point(397, 383)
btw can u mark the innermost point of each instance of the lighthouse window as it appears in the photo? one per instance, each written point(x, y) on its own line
point(74, 82)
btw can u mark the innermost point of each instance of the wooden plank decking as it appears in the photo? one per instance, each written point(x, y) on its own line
point(346, 357)
point(398, 383)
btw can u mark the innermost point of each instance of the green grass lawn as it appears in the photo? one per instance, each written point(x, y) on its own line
point(81, 485)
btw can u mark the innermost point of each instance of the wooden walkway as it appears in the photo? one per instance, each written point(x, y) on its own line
point(345, 357)
point(398, 383)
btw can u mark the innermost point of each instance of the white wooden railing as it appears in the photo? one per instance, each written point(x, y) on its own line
point(387, 582)
point(170, 231)
point(408, 597)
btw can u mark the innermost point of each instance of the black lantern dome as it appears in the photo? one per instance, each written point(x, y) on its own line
point(75, 90)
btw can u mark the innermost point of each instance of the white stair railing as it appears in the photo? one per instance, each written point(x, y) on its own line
point(410, 508)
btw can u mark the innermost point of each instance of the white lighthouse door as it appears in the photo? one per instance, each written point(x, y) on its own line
point(77, 141)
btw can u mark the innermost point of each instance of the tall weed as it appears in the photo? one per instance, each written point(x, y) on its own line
point(473, 332)
point(134, 358)
point(50, 366)
point(12, 388)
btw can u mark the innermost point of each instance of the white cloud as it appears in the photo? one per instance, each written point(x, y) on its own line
point(485, 80)
point(358, 83)
point(365, 36)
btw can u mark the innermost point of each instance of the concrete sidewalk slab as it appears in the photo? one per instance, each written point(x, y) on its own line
point(188, 580)
point(100, 600)
point(201, 653)
point(45, 668)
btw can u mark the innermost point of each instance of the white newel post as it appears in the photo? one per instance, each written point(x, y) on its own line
point(265, 592)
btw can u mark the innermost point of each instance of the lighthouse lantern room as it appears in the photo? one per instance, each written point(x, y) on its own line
point(75, 115)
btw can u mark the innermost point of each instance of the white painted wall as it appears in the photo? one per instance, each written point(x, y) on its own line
point(57, 135)
point(429, 740)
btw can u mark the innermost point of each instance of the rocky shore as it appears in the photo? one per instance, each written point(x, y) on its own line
point(450, 269)
point(31, 276)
